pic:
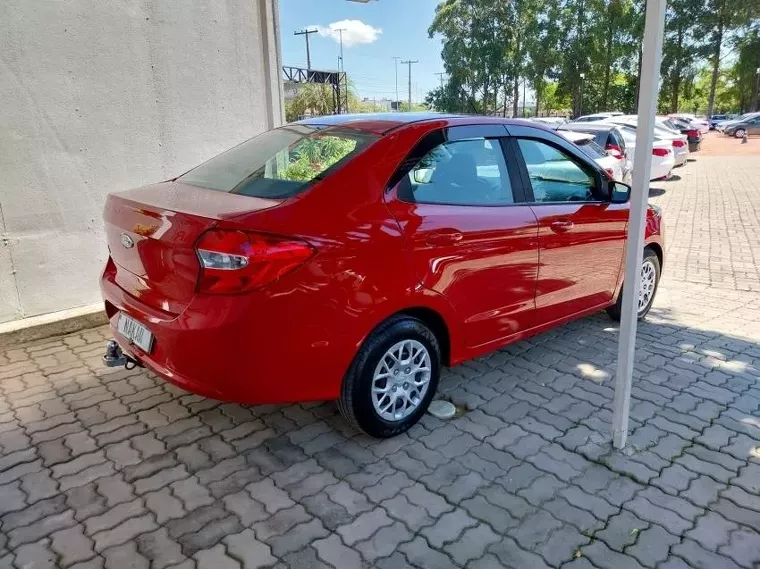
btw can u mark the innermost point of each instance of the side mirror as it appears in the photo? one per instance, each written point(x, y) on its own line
point(619, 192)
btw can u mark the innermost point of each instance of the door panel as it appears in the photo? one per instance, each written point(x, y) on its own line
point(581, 247)
point(581, 235)
point(484, 260)
point(466, 236)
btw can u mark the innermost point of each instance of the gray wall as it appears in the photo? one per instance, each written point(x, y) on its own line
point(103, 95)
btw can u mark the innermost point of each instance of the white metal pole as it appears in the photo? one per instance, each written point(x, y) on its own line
point(650, 78)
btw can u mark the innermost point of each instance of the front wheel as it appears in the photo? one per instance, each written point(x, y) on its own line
point(739, 133)
point(650, 278)
point(392, 379)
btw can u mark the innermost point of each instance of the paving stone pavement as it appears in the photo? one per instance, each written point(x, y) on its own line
point(114, 469)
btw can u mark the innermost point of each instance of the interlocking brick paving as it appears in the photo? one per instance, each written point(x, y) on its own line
point(114, 468)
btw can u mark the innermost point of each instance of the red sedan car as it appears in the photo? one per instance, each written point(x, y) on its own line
point(350, 257)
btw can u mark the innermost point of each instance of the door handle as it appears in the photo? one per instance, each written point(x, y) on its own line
point(444, 237)
point(561, 226)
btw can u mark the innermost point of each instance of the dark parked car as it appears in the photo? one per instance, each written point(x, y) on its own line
point(749, 126)
point(715, 119)
point(684, 127)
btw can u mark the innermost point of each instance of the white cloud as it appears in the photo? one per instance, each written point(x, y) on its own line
point(355, 32)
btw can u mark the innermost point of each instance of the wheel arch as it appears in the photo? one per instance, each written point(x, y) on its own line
point(657, 248)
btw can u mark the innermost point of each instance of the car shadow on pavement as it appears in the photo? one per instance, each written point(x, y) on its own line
point(656, 192)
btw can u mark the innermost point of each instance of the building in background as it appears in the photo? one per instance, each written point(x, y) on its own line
point(100, 96)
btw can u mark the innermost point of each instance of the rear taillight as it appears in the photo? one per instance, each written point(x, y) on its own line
point(678, 144)
point(237, 261)
point(614, 151)
point(693, 133)
point(660, 151)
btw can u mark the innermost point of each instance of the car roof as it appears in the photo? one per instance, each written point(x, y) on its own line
point(382, 123)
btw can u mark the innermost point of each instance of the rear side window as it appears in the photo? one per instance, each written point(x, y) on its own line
point(279, 163)
point(460, 172)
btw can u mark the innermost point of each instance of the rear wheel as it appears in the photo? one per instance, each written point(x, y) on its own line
point(739, 133)
point(650, 278)
point(392, 379)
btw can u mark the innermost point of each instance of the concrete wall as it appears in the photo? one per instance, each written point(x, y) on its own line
point(103, 95)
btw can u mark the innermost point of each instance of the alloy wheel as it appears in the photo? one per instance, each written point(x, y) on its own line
point(401, 379)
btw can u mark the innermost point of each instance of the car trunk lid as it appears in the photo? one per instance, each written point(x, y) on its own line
point(152, 231)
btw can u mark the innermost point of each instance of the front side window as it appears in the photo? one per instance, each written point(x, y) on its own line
point(460, 172)
point(279, 163)
point(554, 175)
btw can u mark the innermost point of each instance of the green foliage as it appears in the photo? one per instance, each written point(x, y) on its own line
point(489, 47)
point(312, 156)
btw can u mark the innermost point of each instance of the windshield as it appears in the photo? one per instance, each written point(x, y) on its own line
point(279, 163)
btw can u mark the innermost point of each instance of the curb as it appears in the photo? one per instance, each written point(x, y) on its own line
point(53, 324)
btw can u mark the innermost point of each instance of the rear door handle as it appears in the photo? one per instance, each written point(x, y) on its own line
point(444, 237)
point(561, 226)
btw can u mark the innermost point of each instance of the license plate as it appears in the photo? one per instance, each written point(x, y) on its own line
point(135, 332)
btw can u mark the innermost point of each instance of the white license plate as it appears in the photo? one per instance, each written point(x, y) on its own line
point(135, 332)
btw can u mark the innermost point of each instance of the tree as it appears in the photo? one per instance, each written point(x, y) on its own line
point(682, 47)
point(724, 18)
point(542, 43)
point(315, 99)
point(476, 37)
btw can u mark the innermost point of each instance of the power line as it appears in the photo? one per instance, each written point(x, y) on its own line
point(409, 62)
point(306, 33)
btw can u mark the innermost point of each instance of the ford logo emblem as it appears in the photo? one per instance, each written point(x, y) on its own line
point(126, 240)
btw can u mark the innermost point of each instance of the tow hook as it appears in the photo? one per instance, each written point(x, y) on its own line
point(114, 357)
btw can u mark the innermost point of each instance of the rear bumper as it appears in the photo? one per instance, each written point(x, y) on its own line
point(694, 146)
point(662, 169)
point(228, 348)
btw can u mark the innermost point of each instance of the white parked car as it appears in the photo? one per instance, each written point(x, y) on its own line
point(551, 121)
point(585, 141)
point(679, 142)
point(663, 159)
point(596, 117)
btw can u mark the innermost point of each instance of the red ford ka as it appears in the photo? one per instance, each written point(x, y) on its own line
point(350, 257)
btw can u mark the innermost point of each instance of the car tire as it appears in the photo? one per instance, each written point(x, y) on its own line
point(739, 133)
point(651, 262)
point(361, 406)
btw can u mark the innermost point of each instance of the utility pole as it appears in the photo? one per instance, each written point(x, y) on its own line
point(395, 63)
point(440, 76)
point(306, 33)
point(340, 33)
point(409, 62)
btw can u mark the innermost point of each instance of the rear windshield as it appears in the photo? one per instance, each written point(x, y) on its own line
point(591, 148)
point(279, 163)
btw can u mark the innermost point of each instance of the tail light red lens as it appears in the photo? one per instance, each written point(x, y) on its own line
point(235, 261)
point(660, 151)
point(614, 151)
point(678, 144)
point(692, 133)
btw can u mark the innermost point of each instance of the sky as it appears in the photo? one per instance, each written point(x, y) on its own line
point(375, 33)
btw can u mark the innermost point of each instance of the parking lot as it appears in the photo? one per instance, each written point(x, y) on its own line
point(114, 468)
